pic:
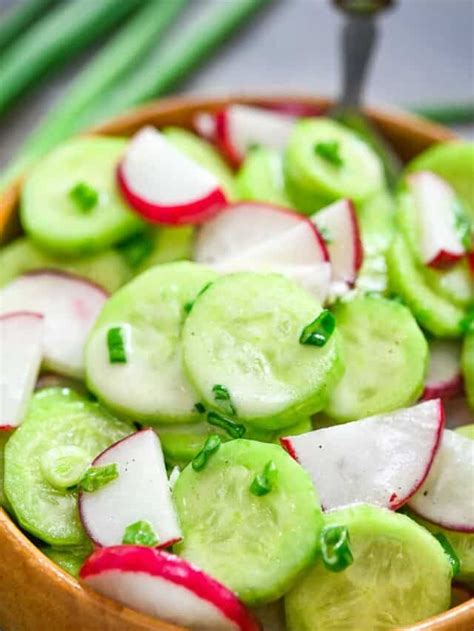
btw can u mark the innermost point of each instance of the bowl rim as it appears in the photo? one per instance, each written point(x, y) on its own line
point(33, 565)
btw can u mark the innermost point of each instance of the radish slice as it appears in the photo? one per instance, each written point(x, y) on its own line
point(205, 125)
point(435, 203)
point(339, 226)
point(444, 377)
point(446, 495)
point(315, 278)
point(245, 225)
point(381, 460)
point(21, 341)
point(238, 127)
point(141, 492)
point(164, 185)
point(163, 585)
point(70, 305)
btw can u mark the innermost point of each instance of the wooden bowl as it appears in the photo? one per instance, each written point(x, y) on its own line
point(35, 594)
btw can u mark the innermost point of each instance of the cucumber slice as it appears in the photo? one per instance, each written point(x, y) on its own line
point(51, 217)
point(453, 162)
point(243, 333)
point(385, 355)
point(400, 575)
point(455, 283)
point(169, 245)
point(462, 542)
point(107, 269)
point(151, 309)
point(204, 154)
point(466, 430)
point(467, 364)
point(436, 314)
point(68, 559)
point(313, 181)
point(4, 436)
point(261, 177)
point(56, 418)
point(236, 536)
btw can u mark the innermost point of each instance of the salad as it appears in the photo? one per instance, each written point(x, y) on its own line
point(238, 373)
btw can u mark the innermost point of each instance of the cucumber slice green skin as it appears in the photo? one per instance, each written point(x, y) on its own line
point(261, 178)
point(243, 333)
point(313, 182)
point(467, 363)
point(107, 269)
point(436, 314)
point(462, 542)
point(151, 386)
point(452, 161)
point(400, 575)
point(236, 536)
point(52, 219)
point(202, 152)
point(385, 355)
point(56, 417)
point(69, 559)
point(4, 436)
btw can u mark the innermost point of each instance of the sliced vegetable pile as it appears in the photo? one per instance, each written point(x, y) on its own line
point(223, 389)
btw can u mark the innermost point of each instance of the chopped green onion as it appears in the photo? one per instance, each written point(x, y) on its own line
point(329, 151)
point(140, 533)
point(97, 477)
point(336, 548)
point(199, 408)
point(467, 323)
point(318, 332)
point(116, 345)
point(235, 430)
point(263, 482)
point(463, 226)
point(63, 467)
point(137, 249)
point(212, 444)
point(222, 397)
point(189, 305)
point(84, 196)
point(450, 552)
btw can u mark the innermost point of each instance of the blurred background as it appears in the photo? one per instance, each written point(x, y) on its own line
point(425, 57)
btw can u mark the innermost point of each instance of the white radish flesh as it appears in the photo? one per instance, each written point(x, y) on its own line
point(444, 377)
point(21, 348)
point(140, 493)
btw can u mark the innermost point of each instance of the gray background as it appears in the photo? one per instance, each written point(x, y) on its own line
point(425, 55)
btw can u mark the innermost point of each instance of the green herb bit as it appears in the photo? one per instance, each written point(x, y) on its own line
point(467, 323)
point(463, 226)
point(336, 548)
point(137, 249)
point(235, 430)
point(199, 408)
point(263, 482)
point(222, 397)
point(140, 533)
point(116, 346)
point(318, 332)
point(84, 196)
point(212, 444)
point(189, 305)
point(329, 151)
point(97, 477)
point(450, 552)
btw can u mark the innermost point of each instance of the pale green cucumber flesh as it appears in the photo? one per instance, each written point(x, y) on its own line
point(454, 283)
point(467, 362)
point(261, 177)
point(169, 245)
point(4, 436)
point(151, 386)
point(52, 219)
point(56, 417)
point(436, 314)
point(385, 356)
point(243, 333)
point(313, 181)
point(255, 545)
point(400, 575)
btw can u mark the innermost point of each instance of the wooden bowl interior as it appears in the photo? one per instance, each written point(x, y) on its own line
point(35, 594)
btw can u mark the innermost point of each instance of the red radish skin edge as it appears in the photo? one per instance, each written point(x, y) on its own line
point(175, 570)
point(223, 141)
point(358, 247)
point(395, 503)
point(191, 213)
point(166, 544)
point(444, 259)
point(446, 390)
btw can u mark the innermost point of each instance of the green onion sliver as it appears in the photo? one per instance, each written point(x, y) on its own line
point(116, 345)
point(336, 548)
point(235, 430)
point(263, 482)
point(318, 332)
point(140, 533)
point(84, 196)
point(212, 444)
point(450, 552)
point(329, 151)
point(137, 249)
point(222, 398)
point(97, 477)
